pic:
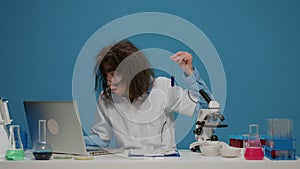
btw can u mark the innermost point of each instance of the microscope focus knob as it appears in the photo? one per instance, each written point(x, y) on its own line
point(198, 131)
point(214, 138)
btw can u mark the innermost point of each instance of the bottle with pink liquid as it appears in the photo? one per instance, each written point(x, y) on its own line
point(254, 149)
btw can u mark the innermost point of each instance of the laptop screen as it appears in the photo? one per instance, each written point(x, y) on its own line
point(64, 129)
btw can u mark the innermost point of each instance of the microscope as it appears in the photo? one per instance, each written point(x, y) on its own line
point(4, 121)
point(207, 121)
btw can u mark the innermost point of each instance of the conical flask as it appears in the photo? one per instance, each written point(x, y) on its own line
point(15, 150)
point(253, 146)
point(42, 149)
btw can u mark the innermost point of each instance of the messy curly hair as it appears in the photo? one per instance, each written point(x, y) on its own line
point(126, 59)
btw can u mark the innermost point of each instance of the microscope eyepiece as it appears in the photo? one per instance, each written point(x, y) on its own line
point(205, 95)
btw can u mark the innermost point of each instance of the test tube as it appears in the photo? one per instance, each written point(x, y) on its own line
point(280, 128)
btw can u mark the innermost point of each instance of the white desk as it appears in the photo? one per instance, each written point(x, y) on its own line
point(188, 160)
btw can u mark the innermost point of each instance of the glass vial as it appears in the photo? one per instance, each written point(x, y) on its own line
point(15, 151)
point(254, 149)
point(42, 149)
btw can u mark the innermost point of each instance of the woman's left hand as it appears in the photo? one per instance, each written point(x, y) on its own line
point(184, 60)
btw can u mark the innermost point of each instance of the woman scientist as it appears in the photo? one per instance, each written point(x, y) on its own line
point(136, 107)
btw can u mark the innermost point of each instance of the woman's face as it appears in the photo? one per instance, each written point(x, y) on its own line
point(115, 83)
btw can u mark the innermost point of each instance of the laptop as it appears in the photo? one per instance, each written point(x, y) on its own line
point(64, 130)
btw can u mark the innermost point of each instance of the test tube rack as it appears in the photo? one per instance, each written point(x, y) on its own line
point(280, 148)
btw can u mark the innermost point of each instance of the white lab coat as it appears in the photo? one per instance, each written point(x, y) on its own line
point(147, 123)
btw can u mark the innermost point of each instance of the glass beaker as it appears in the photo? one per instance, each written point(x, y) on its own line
point(42, 149)
point(15, 151)
point(253, 146)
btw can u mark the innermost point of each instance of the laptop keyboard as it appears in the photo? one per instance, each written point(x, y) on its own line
point(99, 152)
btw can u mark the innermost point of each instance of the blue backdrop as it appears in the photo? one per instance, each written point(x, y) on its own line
point(257, 42)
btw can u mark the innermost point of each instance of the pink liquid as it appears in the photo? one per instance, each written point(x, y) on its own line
point(254, 153)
